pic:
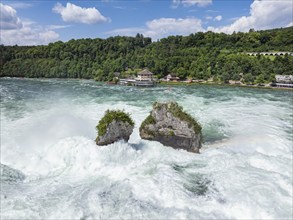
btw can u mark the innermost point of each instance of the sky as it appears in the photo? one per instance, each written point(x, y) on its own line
point(41, 22)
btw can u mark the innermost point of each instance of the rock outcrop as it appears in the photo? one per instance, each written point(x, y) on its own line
point(114, 126)
point(10, 175)
point(171, 126)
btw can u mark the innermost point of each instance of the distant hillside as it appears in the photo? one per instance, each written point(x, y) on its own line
point(198, 56)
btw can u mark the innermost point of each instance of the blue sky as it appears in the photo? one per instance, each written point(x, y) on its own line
point(42, 22)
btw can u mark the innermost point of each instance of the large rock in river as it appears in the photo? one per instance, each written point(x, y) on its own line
point(171, 126)
point(114, 126)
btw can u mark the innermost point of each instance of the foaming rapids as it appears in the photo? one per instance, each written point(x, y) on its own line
point(54, 169)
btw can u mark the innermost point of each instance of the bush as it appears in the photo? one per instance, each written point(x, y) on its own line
point(149, 120)
point(111, 115)
point(178, 112)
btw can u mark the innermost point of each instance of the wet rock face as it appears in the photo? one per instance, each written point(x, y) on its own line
point(10, 175)
point(114, 126)
point(171, 126)
point(116, 130)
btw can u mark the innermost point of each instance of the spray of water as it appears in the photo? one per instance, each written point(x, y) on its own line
point(48, 132)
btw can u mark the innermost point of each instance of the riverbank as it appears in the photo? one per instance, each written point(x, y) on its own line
point(179, 83)
point(224, 84)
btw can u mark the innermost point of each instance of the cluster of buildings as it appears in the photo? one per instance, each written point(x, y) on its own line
point(284, 81)
point(144, 78)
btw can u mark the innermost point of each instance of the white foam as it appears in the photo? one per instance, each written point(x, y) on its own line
point(245, 174)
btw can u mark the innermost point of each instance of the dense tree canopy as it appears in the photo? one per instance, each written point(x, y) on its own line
point(200, 56)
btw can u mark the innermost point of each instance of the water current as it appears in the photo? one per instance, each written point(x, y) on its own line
point(57, 171)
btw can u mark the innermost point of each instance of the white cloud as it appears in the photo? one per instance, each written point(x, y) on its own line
point(290, 24)
point(211, 11)
point(54, 27)
point(188, 3)
point(22, 32)
point(263, 15)
point(218, 18)
point(20, 5)
point(29, 34)
point(125, 8)
point(120, 7)
point(74, 13)
point(8, 18)
point(233, 19)
point(132, 31)
point(163, 27)
point(48, 35)
point(200, 3)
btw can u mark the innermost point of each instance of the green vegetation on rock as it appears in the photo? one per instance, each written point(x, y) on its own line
point(178, 112)
point(149, 120)
point(171, 133)
point(111, 115)
point(171, 126)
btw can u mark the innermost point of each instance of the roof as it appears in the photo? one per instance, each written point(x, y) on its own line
point(145, 72)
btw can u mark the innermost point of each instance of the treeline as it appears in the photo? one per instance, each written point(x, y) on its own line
point(199, 56)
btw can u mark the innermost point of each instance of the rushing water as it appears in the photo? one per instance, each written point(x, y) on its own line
point(48, 131)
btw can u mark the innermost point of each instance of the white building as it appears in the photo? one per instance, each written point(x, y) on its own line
point(284, 81)
point(172, 78)
point(284, 78)
point(145, 75)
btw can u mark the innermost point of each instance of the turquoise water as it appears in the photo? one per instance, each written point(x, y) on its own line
point(48, 132)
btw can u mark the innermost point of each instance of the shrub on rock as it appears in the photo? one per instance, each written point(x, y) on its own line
point(115, 125)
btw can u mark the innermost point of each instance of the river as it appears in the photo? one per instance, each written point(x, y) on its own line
point(244, 170)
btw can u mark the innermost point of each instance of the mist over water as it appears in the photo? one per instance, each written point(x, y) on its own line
point(244, 170)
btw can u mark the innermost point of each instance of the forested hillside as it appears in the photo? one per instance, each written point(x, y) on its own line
point(198, 56)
